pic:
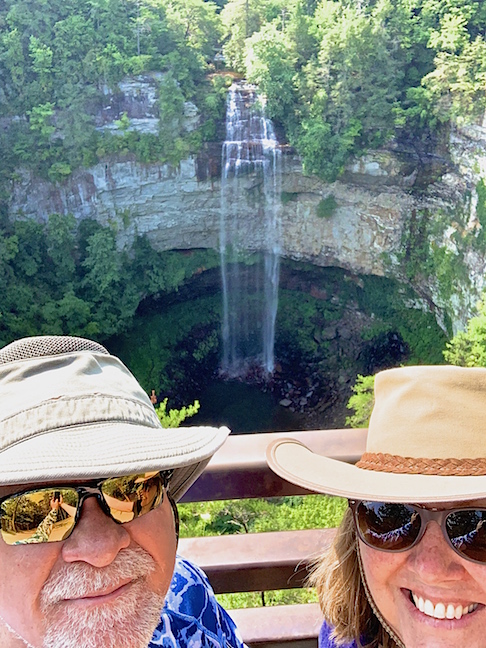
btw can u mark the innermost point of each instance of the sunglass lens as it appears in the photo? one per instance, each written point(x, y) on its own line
point(34, 517)
point(467, 532)
point(389, 527)
point(129, 497)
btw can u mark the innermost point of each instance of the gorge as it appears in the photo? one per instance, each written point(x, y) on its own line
point(340, 244)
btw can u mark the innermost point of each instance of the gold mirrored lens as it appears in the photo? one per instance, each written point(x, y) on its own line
point(134, 495)
point(43, 515)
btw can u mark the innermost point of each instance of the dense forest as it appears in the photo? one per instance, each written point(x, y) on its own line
point(339, 76)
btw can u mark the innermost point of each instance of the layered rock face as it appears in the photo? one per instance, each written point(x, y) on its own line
point(180, 208)
point(362, 228)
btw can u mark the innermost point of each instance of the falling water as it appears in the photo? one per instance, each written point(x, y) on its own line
point(250, 212)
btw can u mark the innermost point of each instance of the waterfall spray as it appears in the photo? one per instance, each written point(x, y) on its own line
point(250, 278)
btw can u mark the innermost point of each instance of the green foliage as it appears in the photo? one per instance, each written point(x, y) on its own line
point(427, 257)
point(123, 123)
point(456, 86)
point(468, 348)
point(481, 206)
point(57, 59)
point(171, 103)
point(342, 77)
point(174, 417)
point(300, 316)
point(324, 153)
point(241, 19)
point(56, 280)
point(396, 308)
point(59, 171)
point(166, 357)
point(257, 515)
point(327, 206)
point(361, 402)
point(270, 597)
point(287, 196)
point(270, 65)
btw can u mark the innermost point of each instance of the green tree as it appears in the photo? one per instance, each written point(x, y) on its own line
point(361, 402)
point(468, 348)
point(174, 417)
point(41, 56)
point(197, 23)
point(241, 19)
point(456, 87)
point(270, 64)
point(60, 244)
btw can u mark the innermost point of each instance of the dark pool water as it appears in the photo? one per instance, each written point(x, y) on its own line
point(243, 408)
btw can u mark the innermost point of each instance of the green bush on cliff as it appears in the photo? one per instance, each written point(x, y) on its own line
point(327, 206)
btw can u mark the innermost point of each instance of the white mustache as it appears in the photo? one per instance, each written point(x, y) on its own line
point(80, 579)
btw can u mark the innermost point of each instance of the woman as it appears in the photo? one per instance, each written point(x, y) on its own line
point(408, 564)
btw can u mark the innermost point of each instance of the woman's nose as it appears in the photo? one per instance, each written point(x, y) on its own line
point(96, 539)
point(433, 559)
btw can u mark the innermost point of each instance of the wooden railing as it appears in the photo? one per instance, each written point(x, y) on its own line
point(271, 560)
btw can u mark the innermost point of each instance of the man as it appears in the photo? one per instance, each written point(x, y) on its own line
point(88, 523)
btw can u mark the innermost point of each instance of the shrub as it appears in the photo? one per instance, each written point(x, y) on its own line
point(327, 206)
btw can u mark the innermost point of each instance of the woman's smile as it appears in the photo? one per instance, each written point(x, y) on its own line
point(442, 610)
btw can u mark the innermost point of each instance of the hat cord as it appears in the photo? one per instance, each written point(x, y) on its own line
point(373, 606)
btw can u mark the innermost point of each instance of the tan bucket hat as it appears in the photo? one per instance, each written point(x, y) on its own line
point(426, 442)
point(70, 410)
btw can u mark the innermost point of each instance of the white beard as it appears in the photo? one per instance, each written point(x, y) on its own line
point(129, 622)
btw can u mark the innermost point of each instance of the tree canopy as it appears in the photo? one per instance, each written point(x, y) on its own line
point(340, 76)
point(59, 280)
point(345, 76)
point(59, 59)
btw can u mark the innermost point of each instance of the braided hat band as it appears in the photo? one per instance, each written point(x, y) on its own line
point(426, 442)
point(388, 463)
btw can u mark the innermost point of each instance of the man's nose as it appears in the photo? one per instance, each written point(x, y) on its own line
point(96, 539)
point(433, 559)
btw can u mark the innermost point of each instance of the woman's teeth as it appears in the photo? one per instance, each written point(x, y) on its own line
point(442, 610)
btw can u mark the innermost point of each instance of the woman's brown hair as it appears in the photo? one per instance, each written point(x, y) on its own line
point(342, 595)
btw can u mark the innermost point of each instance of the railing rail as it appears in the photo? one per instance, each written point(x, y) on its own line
point(270, 560)
point(239, 469)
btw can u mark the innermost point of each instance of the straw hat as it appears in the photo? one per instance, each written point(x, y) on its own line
point(426, 442)
point(70, 410)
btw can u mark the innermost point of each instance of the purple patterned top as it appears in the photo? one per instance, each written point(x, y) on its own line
point(326, 642)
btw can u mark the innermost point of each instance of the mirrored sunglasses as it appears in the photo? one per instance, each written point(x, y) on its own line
point(50, 514)
point(399, 527)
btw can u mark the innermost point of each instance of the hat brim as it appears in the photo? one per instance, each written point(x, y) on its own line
point(110, 450)
point(294, 462)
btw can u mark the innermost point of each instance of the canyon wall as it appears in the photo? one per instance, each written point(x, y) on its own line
point(360, 222)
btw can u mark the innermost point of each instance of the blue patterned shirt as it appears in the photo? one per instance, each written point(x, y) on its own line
point(192, 617)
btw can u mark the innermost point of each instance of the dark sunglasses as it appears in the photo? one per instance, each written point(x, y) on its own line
point(50, 514)
point(399, 527)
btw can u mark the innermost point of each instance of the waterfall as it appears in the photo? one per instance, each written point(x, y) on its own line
point(249, 233)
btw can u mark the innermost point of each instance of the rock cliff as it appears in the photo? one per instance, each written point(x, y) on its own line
point(360, 223)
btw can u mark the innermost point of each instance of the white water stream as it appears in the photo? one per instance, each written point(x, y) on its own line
point(251, 180)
